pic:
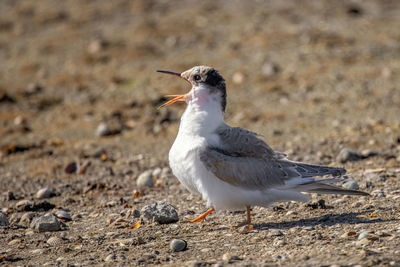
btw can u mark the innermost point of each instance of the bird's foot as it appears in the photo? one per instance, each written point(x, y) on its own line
point(246, 223)
point(202, 216)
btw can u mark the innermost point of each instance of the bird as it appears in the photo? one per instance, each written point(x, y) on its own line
point(233, 168)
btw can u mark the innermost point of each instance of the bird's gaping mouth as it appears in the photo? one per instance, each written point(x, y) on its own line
point(176, 97)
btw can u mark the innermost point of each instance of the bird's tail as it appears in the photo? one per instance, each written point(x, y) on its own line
point(324, 188)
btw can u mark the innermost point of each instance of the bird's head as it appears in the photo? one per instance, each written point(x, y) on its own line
point(206, 82)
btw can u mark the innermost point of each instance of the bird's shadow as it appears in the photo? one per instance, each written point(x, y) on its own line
point(324, 220)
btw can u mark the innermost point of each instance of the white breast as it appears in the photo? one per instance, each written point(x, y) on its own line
point(196, 132)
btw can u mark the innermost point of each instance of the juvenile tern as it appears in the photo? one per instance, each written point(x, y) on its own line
point(232, 168)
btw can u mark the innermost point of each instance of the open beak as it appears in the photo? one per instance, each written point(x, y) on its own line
point(176, 97)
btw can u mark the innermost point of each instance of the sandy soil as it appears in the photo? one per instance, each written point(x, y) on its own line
point(313, 77)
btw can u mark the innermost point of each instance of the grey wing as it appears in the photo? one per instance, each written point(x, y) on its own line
point(244, 159)
point(248, 172)
point(261, 173)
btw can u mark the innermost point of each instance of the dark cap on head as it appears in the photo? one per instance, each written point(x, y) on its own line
point(208, 76)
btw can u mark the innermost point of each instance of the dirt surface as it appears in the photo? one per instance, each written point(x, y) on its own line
point(78, 115)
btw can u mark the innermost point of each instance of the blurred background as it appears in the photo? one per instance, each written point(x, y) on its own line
point(305, 74)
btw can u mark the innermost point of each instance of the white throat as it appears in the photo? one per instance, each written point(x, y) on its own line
point(203, 114)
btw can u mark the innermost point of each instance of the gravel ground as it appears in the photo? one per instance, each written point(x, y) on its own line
point(79, 126)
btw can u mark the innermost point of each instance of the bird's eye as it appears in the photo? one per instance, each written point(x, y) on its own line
point(197, 77)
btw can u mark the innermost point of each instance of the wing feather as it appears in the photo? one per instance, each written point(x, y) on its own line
point(242, 159)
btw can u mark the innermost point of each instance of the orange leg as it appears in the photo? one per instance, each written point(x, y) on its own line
point(246, 222)
point(202, 216)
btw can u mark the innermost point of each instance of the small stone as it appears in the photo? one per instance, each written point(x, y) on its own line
point(110, 257)
point(363, 242)
point(160, 212)
point(275, 232)
point(15, 218)
point(145, 179)
point(347, 154)
point(279, 242)
point(238, 77)
point(71, 168)
point(230, 258)
point(45, 193)
point(111, 203)
point(96, 46)
point(63, 215)
point(29, 233)
point(54, 241)
point(290, 212)
point(352, 185)
point(38, 251)
point(364, 235)
point(121, 257)
point(178, 245)
point(46, 223)
point(226, 256)
point(348, 234)
point(14, 241)
point(270, 69)
point(157, 172)
point(165, 171)
point(105, 130)
point(378, 193)
point(24, 205)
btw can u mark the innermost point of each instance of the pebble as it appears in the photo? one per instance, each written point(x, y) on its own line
point(363, 242)
point(279, 242)
point(160, 212)
point(15, 218)
point(26, 219)
point(178, 245)
point(103, 130)
point(270, 69)
point(111, 257)
point(24, 205)
point(29, 233)
point(145, 179)
point(45, 193)
point(364, 235)
point(230, 258)
point(275, 232)
point(4, 220)
point(226, 256)
point(54, 241)
point(238, 77)
point(352, 185)
point(378, 193)
point(347, 154)
point(46, 223)
point(375, 177)
point(348, 234)
point(157, 172)
point(38, 251)
point(71, 168)
point(14, 241)
point(63, 215)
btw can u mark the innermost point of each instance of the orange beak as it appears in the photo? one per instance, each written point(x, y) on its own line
point(176, 97)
